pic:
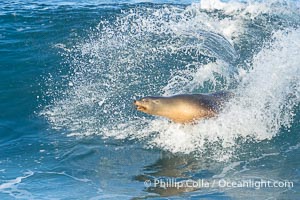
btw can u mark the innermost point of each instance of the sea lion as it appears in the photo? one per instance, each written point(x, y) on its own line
point(184, 108)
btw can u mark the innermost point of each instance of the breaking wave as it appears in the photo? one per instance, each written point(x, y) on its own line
point(249, 48)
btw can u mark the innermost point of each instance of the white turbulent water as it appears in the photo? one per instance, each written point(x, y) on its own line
point(127, 58)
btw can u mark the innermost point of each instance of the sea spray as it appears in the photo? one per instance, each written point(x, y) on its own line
point(249, 48)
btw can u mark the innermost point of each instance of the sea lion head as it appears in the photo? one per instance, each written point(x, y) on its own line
point(149, 105)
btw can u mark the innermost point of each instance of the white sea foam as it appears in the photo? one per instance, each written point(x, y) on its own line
point(264, 102)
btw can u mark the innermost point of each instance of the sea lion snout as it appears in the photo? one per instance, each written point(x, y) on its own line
point(140, 105)
point(135, 102)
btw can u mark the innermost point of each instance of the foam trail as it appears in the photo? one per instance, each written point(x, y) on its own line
point(11, 187)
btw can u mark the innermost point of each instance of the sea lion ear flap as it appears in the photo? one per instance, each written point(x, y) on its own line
point(156, 101)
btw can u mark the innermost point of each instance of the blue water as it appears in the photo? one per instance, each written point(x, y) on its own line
point(69, 71)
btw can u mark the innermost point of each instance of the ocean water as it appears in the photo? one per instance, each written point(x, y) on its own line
point(70, 70)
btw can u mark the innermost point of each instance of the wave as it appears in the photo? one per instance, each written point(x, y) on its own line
point(247, 47)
